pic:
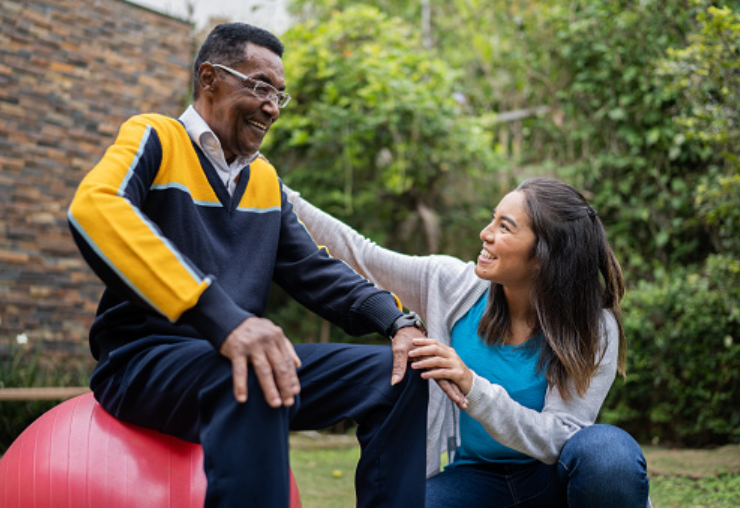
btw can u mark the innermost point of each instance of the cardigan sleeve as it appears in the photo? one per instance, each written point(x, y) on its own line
point(543, 434)
point(328, 286)
point(402, 274)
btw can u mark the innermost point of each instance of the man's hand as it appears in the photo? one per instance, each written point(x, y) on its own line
point(403, 343)
point(259, 342)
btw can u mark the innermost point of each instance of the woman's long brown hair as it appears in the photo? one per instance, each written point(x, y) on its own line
point(577, 278)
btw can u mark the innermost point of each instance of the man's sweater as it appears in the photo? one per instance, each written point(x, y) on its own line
point(180, 256)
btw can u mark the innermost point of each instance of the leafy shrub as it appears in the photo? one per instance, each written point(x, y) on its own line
point(375, 132)
point(26, 368)
point(683, 380)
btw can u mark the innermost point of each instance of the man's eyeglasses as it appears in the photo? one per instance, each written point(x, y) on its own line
point(263, 90)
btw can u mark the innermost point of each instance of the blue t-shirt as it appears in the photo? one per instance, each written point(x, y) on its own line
point(513, 367)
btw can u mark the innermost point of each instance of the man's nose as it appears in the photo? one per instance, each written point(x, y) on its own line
point(271, 108)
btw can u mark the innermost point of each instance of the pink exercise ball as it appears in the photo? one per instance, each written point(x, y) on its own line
point(76, 455)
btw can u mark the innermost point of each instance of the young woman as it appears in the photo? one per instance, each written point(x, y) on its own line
point(531, 335)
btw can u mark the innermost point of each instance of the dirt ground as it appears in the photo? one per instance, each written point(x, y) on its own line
point(692, 463)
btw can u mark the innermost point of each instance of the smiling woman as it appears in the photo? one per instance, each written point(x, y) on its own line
point(507, 257)
point(531, 334)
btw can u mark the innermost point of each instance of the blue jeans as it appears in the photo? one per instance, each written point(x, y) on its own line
point(600, 466)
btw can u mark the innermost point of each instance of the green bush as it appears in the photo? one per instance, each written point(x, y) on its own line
point(26, 368)
point(683, 380)
point(374, 133)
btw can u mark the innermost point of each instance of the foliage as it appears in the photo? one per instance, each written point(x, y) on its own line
point(376, 136)
point(618, 140)
point(375, 132)
point(718, 201)
point(641, 100)
point(683, 383)
point(685, 329)
point(498, 64)
point(606, 116)
point(706, 75)
point(25, 368)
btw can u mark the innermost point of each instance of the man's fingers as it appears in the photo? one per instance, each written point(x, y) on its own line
point(266, 378)
point(262, 345)
point(239, 374)
point(286, 378)
point(400, 358)
point(293, 354)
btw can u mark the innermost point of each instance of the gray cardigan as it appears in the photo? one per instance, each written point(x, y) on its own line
point(441, 289)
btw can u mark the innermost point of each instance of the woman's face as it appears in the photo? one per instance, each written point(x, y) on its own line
point(506, 257)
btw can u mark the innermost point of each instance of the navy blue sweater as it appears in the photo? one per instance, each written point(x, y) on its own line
point(181, 257)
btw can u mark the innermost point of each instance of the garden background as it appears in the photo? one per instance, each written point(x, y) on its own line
point(409, 120)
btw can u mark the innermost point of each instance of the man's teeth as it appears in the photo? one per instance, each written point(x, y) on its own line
point(485, 254)
point(260, 125)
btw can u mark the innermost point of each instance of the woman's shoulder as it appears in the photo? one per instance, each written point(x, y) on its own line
point(609, 325)
point(452, 268)
point(451, 279)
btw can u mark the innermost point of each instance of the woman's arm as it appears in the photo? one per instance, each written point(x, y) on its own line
point(539, 434)
point(399, 273)
point(406, 276)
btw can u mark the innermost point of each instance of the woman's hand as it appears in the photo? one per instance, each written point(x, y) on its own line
point(440, 362)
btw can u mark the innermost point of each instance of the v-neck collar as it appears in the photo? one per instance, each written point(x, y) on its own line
point(228, 201)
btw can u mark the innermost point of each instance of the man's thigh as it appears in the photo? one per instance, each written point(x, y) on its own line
point(156, 382)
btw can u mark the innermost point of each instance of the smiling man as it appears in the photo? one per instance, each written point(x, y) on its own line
point(188, 228)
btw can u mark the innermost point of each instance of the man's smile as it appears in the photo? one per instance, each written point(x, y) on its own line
point(257, 124)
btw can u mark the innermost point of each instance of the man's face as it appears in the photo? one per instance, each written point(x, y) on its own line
point(236, 115)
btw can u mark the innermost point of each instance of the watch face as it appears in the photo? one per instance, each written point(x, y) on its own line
point(405, 321)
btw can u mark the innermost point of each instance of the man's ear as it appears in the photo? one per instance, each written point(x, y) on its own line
point(207, 78)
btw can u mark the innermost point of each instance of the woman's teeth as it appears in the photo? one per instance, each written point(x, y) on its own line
point(485, 254)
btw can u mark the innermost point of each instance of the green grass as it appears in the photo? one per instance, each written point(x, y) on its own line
point(324, 468)
point(694, 478)
point(686, 492)
point(678, 478)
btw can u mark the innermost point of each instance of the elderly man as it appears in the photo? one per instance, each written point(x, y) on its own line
point(187, 228)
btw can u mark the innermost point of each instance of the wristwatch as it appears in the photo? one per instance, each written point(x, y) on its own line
point(406, 320)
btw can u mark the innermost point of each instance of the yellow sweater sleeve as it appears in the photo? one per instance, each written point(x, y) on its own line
point(106, 214)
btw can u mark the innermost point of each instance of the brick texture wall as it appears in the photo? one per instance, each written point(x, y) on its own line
point(71, 71)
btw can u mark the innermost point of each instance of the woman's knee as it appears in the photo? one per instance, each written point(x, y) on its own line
point(604, 449)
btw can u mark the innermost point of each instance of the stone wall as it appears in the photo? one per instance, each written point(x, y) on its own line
point(71, 71)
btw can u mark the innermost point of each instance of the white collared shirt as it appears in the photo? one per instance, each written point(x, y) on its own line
point(201, 133)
